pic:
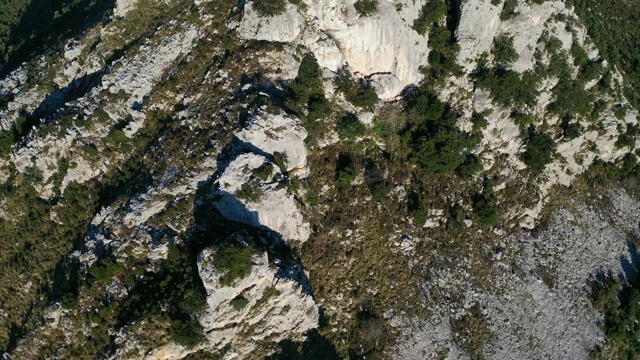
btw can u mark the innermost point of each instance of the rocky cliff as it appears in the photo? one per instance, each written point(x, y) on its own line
point(315, 179)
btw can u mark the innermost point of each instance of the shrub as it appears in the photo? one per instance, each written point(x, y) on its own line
point(366, 7)
point(359, 93)
point(503, 52)
point(187, 332)
point(432, 12)
point(307, 89)
point(508, 88)
point(234, 261)
point(239, 303)
point(264, 172)
point(620, 304)
point(540, 148)
point(570, 130)
point(269, 7)
point(484, 208)
point(435, 142)
point(509, 10)
point(628, 139)
point(570, 98)
point(469, 167)
point(349, 127)
point(250, 191)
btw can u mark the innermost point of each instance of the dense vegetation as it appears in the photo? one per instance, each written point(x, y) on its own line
point(613, 27)
point(32, 27)
point(620, 304)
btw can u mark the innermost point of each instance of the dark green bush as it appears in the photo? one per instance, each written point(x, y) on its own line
point(508, 88)
point(366, 7)
point(269, 7)
point(349, 127)
point(503, 52)
point(509, 9)
point(264, 172)
point(430, 15)
point(570, 98)
point(239, 303)
point(187, 332)
point(250, 191)
point(359, 93)
point(628, 138)
point(469, 167)
point(570, 129)
point(540, 148)
point(620, 304)
point(234, 261)
point(485, 210)
point(436, 144)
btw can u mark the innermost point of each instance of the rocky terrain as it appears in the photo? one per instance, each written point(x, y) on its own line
point(313, 179)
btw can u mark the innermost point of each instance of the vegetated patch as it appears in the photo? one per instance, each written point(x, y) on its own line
point(358, 92)
point(471, 331)
point(503, 52)
point(432, 12)
point(613, 27)
point(349, 127)
point(250, 191)
point(620, 304)
point(238, 303)
point(269, 7)
point(366, 7)
point(509, 10)
point(540, 148)
point(234, 262)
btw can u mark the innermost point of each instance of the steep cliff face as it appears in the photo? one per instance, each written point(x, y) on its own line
point(337, 178)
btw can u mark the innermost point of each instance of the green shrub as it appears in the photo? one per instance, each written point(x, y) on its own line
point(239, 303)
point(349, 127)
point(264, 172)
point(432, 12)
point(366, 7)
point(187, 332)
point(359, 93)
point(307, 90)
point(436, 144)
point(620, 304)
point(570, 129)
point(234, 262)
point(540, 148)
point(485, 210)
point(509, 88)
point(469, 167)
point(628, 139)
point(503, 52)
point(580, 57)
point(250, 191)
point(570, 98)
point(106, 271)
point(269, 7)
point(509, 10)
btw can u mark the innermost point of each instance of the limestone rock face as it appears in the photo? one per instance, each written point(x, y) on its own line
point(279, 133)
point(273, 207)
point(277, 306)
point(383, 43)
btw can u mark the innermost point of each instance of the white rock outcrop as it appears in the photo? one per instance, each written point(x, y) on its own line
point(276, 307)
point(279, 133)
point(275, 208)
point(383, 43)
